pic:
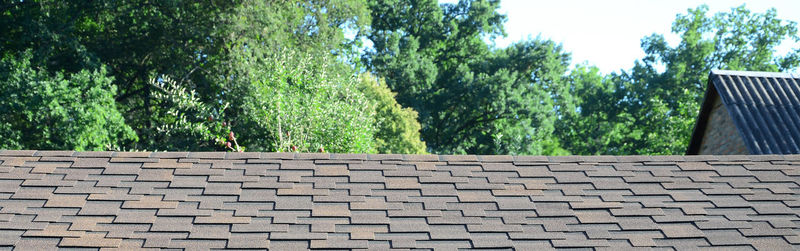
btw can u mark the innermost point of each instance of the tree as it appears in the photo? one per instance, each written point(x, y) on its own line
point(194, 42)
point(471, 98)
point(278, 102)
point(738, 40)
point(59, 111)
point(309, 101)
point(652, 111)
point(591, 119)
point(397, 127)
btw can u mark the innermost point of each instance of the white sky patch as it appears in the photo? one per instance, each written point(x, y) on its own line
point(608, 34)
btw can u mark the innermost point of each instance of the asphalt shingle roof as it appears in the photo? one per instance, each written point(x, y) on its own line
point(353, 201)
point(764, 106)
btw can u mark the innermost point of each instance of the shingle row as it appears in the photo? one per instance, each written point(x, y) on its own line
point(121, 200)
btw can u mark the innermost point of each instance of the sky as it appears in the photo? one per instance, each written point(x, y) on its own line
point(608, 33)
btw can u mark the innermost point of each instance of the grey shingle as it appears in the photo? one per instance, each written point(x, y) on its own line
point(249, 241)
point(402, 240)
point(207, 155)
point(332, 201)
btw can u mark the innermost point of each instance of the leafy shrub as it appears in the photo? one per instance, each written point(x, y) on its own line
point(44, 111)
point(185, 122)
point(271, 102)
point(397, 127)
point(291, 101)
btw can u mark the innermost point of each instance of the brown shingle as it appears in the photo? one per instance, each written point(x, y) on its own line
point(155, 175)
point(313, 156)
point(185, 208)
point(222, 217)
point(153, 202)
point(362, 232)
point(420, 157)
point(136, 216)
point(298, 232)
point(41, 193)
point(261, 200)
point(402, 183)
point(63, 200)
point(134, 159)
point(203, 231)
point(408, 225)
point(680, 230)
point(514, 203)
point(15, 153)
point(475, 196)
point(330, 210)
point(293, 203)
point(10, 237)
point(249, 241)
point(90, 163)
point(725, 237)
point(260, 225)
point(90, 240)
point(595, 216)
point(302, 189)
point(216, 188)
point(207, 155)
point(54, 230)
point(110, 208)
point(167, 163)
point(339, 241)
point(402, 240)
point(368, 217)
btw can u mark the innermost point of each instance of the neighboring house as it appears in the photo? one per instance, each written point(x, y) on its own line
point(285, 201)
point(748, 113)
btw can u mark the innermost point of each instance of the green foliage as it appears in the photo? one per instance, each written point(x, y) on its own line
point(187, 123)
point(652, 111)
point(591, 119)
point(470, 98)
point(196, 43)
point(281, 102)
point(397, 127)
point(44, 111)
point(666, 103)
point(309, 101)
point(285, 74)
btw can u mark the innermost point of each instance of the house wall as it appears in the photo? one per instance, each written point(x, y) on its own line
point(721, 136)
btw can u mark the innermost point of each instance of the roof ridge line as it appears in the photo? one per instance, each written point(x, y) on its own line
point(765, 74)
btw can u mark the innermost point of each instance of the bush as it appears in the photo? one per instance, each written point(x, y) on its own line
point(397, 127)
point(44, 111)
point(289, 101)
point(271, 102)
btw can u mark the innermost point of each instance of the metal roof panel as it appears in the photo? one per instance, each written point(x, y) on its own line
point(765, 106)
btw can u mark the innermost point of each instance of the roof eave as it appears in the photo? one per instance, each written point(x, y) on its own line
point(702, 117)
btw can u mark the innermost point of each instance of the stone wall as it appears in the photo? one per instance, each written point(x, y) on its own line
point(721, 136)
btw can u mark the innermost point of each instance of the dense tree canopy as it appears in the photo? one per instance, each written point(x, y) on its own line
point(297, 76)
point(42, 110)
point(250, 64)
point(471, 98)
point(397, 127)
point(647, 110)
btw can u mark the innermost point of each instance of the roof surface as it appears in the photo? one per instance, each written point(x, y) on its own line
point(294, 201)
point(764, 106)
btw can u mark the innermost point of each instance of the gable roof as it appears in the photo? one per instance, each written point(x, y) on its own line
point(295, 201)
point(764, 106)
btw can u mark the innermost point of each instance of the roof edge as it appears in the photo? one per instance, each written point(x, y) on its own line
point(764, 74)
point(701, 122)
point(271, 157)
